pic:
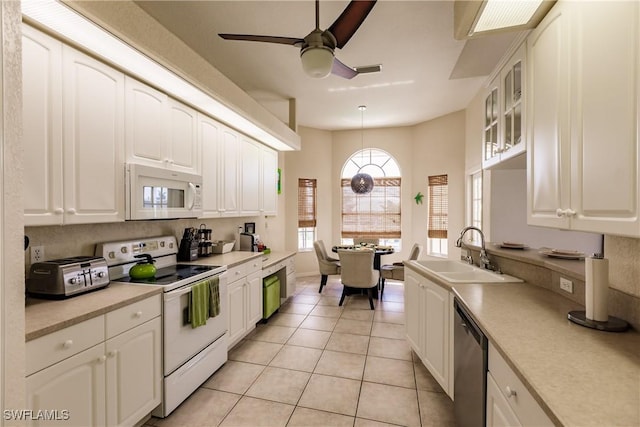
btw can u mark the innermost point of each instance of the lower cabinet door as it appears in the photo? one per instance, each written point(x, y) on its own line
point(134, 373)
point(71, 392)
point(254, 299)
point(499, 413)
point(237, 317)
point(412, 307)
point(437, 343)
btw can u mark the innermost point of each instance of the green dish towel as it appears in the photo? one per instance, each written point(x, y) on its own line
point(199, 304)
point(214, 296)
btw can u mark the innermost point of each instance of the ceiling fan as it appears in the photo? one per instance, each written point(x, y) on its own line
point(317, 48)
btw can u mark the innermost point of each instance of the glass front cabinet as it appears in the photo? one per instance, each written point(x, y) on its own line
point(503, 119)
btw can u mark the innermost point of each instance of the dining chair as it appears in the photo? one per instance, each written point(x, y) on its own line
point(357, 272)
point(327, 264)
point(395, 271)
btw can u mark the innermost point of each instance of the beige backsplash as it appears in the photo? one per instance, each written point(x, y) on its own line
point(71, 240)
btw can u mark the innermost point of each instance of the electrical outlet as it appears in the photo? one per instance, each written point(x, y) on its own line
point(37, 254)
point(566, 285)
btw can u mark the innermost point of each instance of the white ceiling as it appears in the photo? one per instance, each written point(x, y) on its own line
point(413, 40)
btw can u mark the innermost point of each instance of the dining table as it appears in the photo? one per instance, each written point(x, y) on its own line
point(379, 250)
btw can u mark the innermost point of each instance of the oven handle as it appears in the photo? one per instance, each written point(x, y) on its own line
point(177, 293)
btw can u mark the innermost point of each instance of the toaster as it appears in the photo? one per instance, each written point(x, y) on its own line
point(65, 277)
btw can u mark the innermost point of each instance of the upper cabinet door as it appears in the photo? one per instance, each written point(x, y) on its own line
point(490, 138)
point(512, 105)
point(183, 153)
point(146, 124)
point(93, 132)
point(583, 118)
point(209, 136)
point(547, 153)
point(604, 118)
point(250, 159)
point(229, 172)
point(42, 134)
point(269, 181)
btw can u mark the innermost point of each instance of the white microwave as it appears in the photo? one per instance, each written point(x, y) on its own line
point(156, 193)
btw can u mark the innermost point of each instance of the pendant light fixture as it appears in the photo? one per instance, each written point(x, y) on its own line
point(362, 183)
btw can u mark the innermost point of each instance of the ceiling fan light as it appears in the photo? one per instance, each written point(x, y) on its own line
point(317, 61)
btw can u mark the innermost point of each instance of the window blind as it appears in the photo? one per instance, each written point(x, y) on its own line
point(372, 215)
point(306, 202)
point(438, 207)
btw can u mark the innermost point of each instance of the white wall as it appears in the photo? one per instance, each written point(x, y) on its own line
point(12, 345)
point(313, 161)
point(430, 148)
point(509, 218)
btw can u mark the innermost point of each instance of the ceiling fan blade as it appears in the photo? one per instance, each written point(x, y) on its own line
point(350, 20)
point(267, 39)
point(342, 70)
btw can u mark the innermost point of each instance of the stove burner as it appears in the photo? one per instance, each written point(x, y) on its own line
point(168, 275)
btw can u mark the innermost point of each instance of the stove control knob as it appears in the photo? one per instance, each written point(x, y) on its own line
point(112, 255)
point(74, 280)
point(100, 274)
point(123, 249)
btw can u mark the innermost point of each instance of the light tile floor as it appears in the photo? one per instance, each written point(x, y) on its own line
point(316, 364)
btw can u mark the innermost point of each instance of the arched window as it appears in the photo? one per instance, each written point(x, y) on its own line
point(375, 215)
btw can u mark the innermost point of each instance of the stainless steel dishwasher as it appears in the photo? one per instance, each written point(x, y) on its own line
point(470, 370)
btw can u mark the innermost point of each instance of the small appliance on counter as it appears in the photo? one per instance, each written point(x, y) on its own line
point(66, 277)
point(249, 242)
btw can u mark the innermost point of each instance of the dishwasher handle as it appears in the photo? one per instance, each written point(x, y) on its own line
point(469, 325)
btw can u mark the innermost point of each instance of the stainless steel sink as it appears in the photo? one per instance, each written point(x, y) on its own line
point(459, 272)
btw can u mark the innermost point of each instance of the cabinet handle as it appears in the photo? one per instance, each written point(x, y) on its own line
point(67, 344)
point(137, 314)
point(510, 392)
point(113, 353)
point(102, 359)
point(570, 212)
point(58, 211)
point(560, 213)
point(72, 211)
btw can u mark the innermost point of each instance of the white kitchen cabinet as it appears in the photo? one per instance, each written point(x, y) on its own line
point(93, 135)
point(245, 299)
point(269, 184)
point(429, 326)
point(134, 367)
point(160, 131)
point(250, 179)
point(504, 112)
point(229, 188)
point(499, 413)
point(74, 144)
point(42, 138)
point(76, 385)
point(116, 382)
point(237, 316)
point(583, 127)
point(184, 146)
point(508, 400)
point(147, 124)
point(209, 134)
point(254, 297)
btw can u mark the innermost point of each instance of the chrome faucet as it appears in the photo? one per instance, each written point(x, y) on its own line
point(485, 262)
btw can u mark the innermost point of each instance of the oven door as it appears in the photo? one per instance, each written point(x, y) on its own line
point(181, 341)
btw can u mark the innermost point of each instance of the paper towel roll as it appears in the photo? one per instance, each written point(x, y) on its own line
point(596, 288)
